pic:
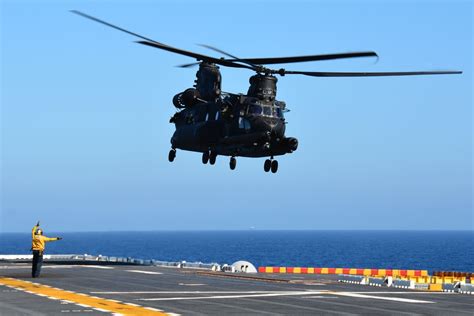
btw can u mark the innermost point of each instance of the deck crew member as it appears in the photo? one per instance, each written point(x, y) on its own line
point(38, 244)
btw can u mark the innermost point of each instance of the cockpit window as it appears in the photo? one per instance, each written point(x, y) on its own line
point(255, 109)
point(278, 112)
point(267, 111)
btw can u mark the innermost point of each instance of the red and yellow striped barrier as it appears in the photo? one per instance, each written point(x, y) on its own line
point(355, 271)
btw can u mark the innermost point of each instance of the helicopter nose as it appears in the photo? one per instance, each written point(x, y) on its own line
point(276, 127)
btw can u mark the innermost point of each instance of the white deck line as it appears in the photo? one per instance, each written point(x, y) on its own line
point(101, 310)
point(95, 266)
point(386, 298)
point(198, 292)
point(273, 294)
point(229, 296)
point(144, 272)
point(83, 305)
point(399, 292)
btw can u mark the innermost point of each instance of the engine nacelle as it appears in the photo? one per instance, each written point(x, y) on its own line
point(291, 144)
point(187, 98)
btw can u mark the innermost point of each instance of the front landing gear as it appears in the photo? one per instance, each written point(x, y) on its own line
point(172, 155)
point(270, 164)
point(205, 157)
point(232, 163)
point(209, 156)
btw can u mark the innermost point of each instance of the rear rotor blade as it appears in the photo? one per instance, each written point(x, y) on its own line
point(366, 74)
point(298, 59)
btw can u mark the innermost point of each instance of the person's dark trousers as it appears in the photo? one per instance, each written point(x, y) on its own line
point(37, 263)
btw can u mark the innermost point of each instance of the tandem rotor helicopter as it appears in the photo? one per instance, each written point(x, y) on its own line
point(217, 123)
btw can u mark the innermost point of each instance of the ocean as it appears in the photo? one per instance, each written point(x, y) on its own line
point(431, 250)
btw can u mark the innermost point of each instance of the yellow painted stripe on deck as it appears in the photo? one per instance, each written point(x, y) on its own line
point(311, 270)
point(424, 272)
point(436, 287)
point(352, 271)
point(282, 269)
point(324, 271)
point(268, 269)
point(296, 270)
point(367, 271)
point(78, 298)
point(395, 272)
point(339, 271)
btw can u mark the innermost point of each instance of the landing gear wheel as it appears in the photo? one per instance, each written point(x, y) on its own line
point(172, 155)
point(274, 166)
point(267, 165)
point(212, 158)
point(232, 163)
point(205, 157)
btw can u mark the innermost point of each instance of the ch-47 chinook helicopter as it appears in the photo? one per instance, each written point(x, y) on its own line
point(215, 123)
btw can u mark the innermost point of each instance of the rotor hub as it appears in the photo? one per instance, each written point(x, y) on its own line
point(263, 87)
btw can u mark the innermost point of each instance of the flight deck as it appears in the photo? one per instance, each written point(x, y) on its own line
point(87, 289)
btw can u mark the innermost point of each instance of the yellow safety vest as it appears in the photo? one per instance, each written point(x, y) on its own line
point(38, 241)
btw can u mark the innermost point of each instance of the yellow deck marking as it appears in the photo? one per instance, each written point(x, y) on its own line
point(76, 298)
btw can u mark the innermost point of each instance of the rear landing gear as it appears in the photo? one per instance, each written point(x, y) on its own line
point(212, 157)
point(172, 155)
point(209, 156)
point(270, 164)
point(232, 163)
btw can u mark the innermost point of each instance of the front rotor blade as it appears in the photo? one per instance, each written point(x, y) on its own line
point(219, 51)
point(188, 65)
point(151, 42)
point(255, 67)
point(368, 74)
point(110, 25)
point(298, 59)
point(214, 60)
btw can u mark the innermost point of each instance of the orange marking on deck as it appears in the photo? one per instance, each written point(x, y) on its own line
point(78, 298)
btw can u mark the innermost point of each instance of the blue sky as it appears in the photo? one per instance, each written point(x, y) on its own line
point(85, 132)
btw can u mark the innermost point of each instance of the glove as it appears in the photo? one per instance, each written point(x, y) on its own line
point(59, 238)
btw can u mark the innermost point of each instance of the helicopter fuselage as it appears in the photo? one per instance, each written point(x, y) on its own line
point(250, 125)
point(235, 125)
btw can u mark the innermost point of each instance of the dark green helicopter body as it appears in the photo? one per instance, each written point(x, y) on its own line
point(215, 123)
point(227, 124)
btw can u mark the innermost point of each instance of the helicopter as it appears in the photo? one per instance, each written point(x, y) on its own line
point(217, 123)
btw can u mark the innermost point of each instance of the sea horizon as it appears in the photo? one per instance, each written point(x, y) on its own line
point(398, 249)
point(244, 230)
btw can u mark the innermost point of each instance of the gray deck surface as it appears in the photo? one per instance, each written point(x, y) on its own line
point(196, 292)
